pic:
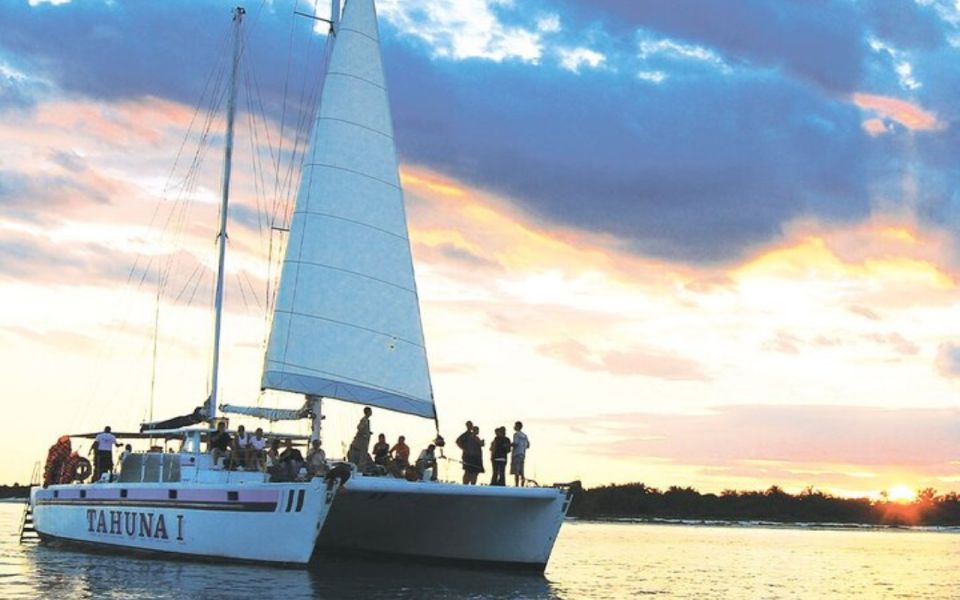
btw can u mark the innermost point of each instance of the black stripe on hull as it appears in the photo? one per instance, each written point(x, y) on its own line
point(128, 551)
point(169, 505)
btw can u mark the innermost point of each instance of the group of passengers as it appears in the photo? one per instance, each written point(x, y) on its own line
point(395, 460)
point(471, 444)
point(392, 460)
point(255, 452)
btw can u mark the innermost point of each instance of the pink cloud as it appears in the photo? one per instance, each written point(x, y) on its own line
point(921, 438)
point(905, 113)
point(632, 361)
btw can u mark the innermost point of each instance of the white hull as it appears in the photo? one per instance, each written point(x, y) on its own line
point(263, 522)
point(509, 526)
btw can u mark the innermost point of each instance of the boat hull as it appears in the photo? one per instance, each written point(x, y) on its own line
point(483, 525)
point(264, 523)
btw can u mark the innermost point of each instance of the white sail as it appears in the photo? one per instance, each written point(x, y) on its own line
point(347, 319)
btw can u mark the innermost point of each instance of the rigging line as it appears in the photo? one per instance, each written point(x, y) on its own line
point(253, 292)
point(187, 283)
point(283, 109)
point(254, 139)
point(160, 203)
point(259, 104)
point(307, 110)
point(243, 295)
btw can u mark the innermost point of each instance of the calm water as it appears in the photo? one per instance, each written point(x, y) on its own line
point(591, 560)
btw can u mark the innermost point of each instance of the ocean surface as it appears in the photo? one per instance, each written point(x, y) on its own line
point(590, 560)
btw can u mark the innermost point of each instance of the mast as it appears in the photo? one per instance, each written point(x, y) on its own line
point(238, 13)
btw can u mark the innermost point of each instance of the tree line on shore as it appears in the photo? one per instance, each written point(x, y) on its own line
point(14, 491)
point(637, 500)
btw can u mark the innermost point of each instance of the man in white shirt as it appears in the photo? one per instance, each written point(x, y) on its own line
point(520, 446)
point(241, 456)
point(258, 444)
point(427, 460)
point(316, 460)
point(104, 444)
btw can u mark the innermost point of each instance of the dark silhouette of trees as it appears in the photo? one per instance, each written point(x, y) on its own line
point(637, 500)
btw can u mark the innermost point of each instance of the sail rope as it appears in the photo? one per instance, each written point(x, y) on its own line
point(171, 226)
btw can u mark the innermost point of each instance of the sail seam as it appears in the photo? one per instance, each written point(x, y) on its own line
point(366, 35)
point(374, 227)
point(358, 78)
point(373, 177)
point(354, 123)
point(370, 277)
point(345, 379)
point(362, 328)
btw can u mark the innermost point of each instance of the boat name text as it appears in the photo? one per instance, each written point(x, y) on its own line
point(132, 524)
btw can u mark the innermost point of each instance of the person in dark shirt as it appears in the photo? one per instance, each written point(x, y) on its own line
point(381, 451)
point(220, 443)
point(461, 442)
point(472, 457)
point(499, 449)
point(291, 460)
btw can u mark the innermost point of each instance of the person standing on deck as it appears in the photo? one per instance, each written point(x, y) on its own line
point(461, 442)
point(104, 444)
point(472, 457)
point(499, 449)
point(359, 453)
point(520, 446)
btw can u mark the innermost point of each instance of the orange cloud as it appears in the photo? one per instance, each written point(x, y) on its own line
point(907, 114)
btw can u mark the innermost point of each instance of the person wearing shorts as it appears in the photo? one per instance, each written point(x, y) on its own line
point(520, 446)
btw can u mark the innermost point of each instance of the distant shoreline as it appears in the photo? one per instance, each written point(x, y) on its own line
point(773, 506)
point(751, 524)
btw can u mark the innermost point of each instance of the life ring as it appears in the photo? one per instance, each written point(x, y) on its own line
point(82, 469)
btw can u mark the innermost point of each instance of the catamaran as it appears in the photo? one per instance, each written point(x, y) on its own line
point(345, 326)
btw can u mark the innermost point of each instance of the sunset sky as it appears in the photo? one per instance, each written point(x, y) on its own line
point(695, 243)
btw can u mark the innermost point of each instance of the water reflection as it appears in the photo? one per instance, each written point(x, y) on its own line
point(385, 578)
point(63, 572)
point(56, 571)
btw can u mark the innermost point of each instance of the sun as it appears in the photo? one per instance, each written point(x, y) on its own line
point(902, 493)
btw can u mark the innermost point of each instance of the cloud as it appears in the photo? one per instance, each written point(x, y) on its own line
point(905, 113)
point(636, 360)
point(948, 359)
point(727, 436)
point(464, 29)
point(759, 32)
point(573, 59)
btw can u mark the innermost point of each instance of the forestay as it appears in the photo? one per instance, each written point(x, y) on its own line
point(347, 320)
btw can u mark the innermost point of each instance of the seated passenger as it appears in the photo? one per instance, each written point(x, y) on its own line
point(290, 460)
point(401, 453)
point(425, 461)
point(316, 460)
point(241, 449)
point(256, 456)
point(381, 451)
point(127, 451)
point(219, 443)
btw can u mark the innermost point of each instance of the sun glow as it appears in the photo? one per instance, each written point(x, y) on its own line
point(902, 493)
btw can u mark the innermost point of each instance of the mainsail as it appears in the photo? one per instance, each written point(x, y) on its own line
point(347, 319)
